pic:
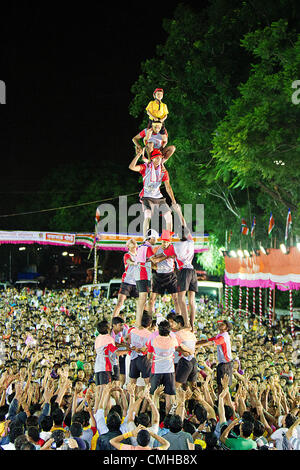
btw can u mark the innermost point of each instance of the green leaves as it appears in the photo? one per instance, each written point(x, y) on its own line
point(227, 72)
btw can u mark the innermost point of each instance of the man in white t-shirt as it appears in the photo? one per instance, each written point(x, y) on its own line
point(285, 422)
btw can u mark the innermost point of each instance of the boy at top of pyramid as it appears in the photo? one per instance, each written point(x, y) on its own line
point(155, 135)
point(157, 110)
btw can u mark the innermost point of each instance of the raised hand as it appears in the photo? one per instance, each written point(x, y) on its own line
point(131, 388)
point(159, 391)
point(225, 381)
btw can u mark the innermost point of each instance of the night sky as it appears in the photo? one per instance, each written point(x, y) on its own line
point(68, 72)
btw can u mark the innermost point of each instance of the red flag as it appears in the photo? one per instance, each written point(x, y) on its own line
point(97, 216)
point(271, 224)
point(244, 227)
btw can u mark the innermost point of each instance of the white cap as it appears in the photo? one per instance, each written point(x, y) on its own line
point(152, 234)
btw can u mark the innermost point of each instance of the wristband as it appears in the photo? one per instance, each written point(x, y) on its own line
point(127, 434)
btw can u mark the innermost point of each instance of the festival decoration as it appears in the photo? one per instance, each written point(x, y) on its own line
point(247, 302)
point(260, 305)
point(240, 300)
point(291, 313)
point(231, 301)
point(270, 307)
point(226, 297)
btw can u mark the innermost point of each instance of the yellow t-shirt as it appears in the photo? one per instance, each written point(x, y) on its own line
point(94, 441)
point(2, 428)
point(159, 112)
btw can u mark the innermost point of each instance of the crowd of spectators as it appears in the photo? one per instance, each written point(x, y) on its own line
point(49, 399)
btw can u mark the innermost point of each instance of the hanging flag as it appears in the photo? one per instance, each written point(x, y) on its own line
point(288, 226)
point(271, 224)
point(253, 226)
point(97, 217)
point(244, 227)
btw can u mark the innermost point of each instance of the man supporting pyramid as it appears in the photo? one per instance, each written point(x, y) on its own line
point(154, 174)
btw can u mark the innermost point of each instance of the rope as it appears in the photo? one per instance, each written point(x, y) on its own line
point(67, 207)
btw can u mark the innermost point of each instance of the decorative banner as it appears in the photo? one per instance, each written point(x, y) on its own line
point(45, 238)
point(103, 242)
point(275, 269)
point(110, 241)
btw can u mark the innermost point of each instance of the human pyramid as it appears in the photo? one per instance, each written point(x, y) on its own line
point(163, 259)
point(71, 382)
point(165, 357)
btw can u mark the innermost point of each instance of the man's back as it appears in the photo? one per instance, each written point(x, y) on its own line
point(178, 440)
point(103, 440)
point(240, 443)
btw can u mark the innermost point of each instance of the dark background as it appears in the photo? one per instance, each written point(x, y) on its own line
point(68, 71)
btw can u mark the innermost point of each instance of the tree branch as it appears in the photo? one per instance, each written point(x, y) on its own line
point(276, 195)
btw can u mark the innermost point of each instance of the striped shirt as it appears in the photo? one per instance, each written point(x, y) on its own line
point(104, 346)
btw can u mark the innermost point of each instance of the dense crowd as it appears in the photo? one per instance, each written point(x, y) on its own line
point(51, 398)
